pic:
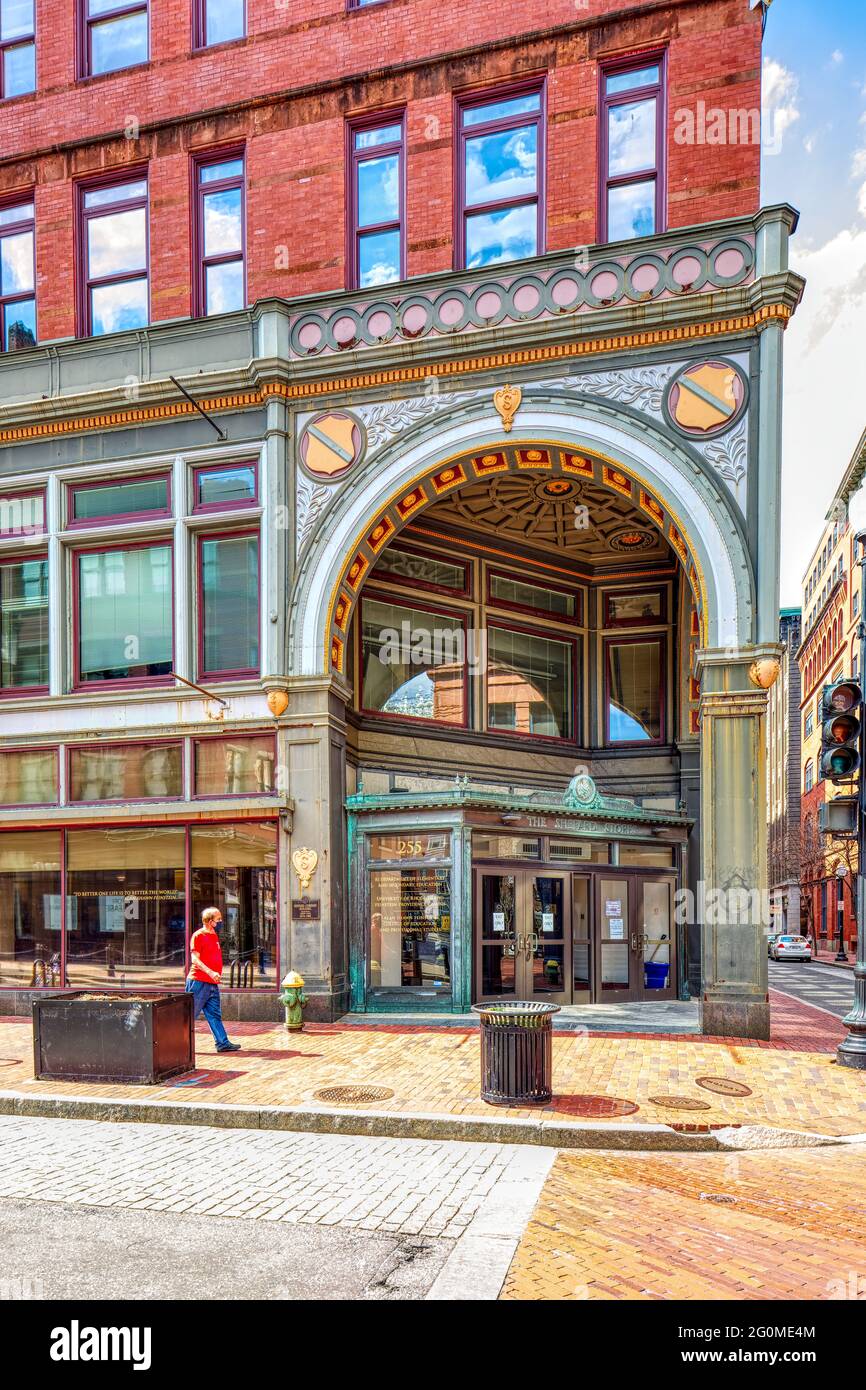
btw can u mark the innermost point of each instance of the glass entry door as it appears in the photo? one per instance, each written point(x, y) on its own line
point(655, 927)
point(616, 969)
point(523, 931)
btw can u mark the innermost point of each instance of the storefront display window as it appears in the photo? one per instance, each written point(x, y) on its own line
point(30, 917)
point(413, 663)
point(410, 928)
point(634, 686)
point(234, 868)
point(126, 772)
point(530, 683)
point(28, 777)
point(235, 766)
point(125, 907)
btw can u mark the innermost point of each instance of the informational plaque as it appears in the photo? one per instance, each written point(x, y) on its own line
point(306, 910)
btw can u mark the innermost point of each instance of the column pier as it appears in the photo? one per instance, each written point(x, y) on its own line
point(733, 901)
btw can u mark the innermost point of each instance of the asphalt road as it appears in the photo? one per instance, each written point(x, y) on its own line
point(826, 986)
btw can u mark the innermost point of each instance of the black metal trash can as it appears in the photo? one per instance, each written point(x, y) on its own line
point(516, 1052)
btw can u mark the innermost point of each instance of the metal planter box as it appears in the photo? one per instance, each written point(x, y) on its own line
point(124, 1038)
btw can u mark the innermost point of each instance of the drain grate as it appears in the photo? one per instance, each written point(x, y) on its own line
point(352, 1095)
point(723, 1198)
point(723, 1086)
point(679, 1102)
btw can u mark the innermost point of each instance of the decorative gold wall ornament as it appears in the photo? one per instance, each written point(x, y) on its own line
point(507, 402)
point(764, 672)
point(278, 702)
point(305, 861)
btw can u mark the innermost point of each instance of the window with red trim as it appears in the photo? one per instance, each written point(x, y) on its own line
point(220, 237)
point(500, 176)
point(220, 487)
point(113, 270)
point(377, 201)
point(218, 21)
point(634, 690)
point(228, 581)
point(24, 623)
point(17, 48)
point(17, 275)
point(113, 34)
point(124, 614)
point(632, 146)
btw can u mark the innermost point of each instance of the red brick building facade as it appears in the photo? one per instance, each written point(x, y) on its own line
point(283, 96)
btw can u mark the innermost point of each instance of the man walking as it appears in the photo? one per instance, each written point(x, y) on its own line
point(203, 980)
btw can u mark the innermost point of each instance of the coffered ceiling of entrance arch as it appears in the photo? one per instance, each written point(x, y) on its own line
point(520, 509)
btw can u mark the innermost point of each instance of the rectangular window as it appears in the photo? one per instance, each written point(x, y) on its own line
point(810, 725)
point(17, 276)
point(410, 928)
point(132, 500)
point(636, 608)
point(29, 777)
point(126, 772)
point(114, 280)
point(24, 624)
point(500, 178)
point(238, 766)
point(22, 514)
point(234, 868)
point(377, 201)
point(30, 908)
point(220, 280)
point(634, 683)
point(17, 48)
point(410, 845)
point(223, 486)
point(218, 21)
point(229, 605)
point(530, 684)
point(632, 145)
point(422, 570)
point(124, 610)
point(527, 596)
point(113, 35)
point(413, 663)
point(126, 907)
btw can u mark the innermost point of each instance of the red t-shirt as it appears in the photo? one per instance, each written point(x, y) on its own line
point(206, 944)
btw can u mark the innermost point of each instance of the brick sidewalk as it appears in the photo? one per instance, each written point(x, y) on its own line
point(686, 1226)
point(792, 1081)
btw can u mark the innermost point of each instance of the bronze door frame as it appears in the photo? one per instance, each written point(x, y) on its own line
point(522, 942)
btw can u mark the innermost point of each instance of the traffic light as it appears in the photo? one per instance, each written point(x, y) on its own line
point(840, 730)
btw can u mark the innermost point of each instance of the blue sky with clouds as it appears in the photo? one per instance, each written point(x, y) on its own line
point(815, 113)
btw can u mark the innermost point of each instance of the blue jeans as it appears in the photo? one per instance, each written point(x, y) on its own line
point(206, 1000)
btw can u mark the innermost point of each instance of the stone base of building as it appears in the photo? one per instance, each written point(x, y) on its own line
point(727, 1016)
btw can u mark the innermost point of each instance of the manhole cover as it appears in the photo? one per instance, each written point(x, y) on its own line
point(352, 1095)
point(679, 1102)
point(723, 1086)
point(593, 1107)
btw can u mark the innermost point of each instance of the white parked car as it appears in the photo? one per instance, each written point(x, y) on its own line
point(791, 948)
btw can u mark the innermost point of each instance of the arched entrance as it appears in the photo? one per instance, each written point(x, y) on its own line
point(600, 561)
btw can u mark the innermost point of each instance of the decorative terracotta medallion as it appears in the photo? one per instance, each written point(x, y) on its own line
point(331, 444)
point(707, 398)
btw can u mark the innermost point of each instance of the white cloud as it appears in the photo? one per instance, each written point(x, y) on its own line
point(780, 95)
point(837, 56)
point(823, 393)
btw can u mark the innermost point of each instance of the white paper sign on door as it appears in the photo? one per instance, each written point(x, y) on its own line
point(548, 923)
point(617, 928)
point(499, 921)
point(613, 907)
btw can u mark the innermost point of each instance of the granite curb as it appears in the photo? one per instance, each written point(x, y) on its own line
point(544, 1131)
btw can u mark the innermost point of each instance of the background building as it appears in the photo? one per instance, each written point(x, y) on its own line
point(484, 335)
point(784, 772)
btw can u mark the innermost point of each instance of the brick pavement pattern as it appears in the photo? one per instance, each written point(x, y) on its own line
point(783, 1225)
point(436, 1070)
point(401, 1186)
